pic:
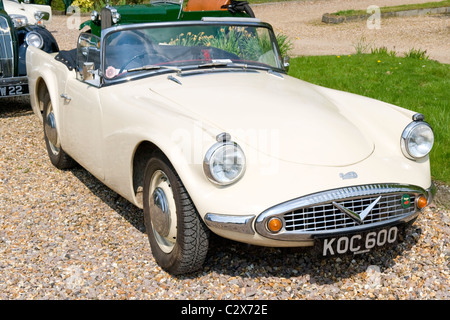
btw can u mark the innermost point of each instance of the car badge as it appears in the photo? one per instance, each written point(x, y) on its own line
point(358, 217)
point(406, 201)
point(348, 175)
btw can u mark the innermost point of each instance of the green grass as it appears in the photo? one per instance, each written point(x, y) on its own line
point(412, 82)
point(427, 5)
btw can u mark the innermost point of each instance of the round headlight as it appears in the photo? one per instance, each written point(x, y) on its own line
point(417, 140)
point(94, 15)
point(115, 16)
point(224, 163)
point(34, 39)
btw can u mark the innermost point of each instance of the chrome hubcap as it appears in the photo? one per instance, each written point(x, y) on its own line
point(163, 211)
point(160, 212)
point(50, 130)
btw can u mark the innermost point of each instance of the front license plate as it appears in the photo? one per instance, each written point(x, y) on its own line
point(14, 90)
point(359, 242)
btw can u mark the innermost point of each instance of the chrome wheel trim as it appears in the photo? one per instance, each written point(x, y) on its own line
point(162, 211)
point(50, 130)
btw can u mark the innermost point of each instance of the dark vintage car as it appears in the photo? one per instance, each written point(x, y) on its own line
point(165, 11)
point(15, 36)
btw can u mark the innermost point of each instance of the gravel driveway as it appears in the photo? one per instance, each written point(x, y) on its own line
point(301, 21)
point(64, 235)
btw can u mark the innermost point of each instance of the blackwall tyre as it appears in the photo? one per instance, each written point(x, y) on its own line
point(178, 237)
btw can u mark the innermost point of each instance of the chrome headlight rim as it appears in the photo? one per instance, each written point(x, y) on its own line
point(408, 133)
point(215, 151)
point(31, 37)
point(115, 16)
point(95, 15)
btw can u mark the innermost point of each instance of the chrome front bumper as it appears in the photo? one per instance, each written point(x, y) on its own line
point(240, 224)
point(321, 213)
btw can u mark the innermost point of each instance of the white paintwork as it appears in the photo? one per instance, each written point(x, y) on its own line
point(298, 137)
point(27, 10)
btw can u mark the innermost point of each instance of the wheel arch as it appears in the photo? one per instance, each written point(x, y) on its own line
point(143, 152)
point(41, 88)
point(43, 85)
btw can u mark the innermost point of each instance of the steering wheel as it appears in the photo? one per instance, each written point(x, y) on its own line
point(135, 38)
point(140, 55)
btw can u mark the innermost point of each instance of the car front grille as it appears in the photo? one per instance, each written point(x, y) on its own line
point(341, 210)
point(325, 217)
point(6, 50)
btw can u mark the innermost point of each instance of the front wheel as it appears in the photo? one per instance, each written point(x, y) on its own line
point(178, 237)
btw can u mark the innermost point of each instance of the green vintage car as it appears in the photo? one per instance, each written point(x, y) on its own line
point(160, 11)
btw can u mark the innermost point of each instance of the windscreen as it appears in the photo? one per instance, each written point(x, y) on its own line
point(152, 48)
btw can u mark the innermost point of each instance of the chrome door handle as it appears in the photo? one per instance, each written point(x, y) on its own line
point(65, 96)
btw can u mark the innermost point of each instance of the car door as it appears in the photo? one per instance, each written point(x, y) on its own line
point(81, 108)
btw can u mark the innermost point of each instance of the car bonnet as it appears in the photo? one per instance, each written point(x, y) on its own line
point(281, 116)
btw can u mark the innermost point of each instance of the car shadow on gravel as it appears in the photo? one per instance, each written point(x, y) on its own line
point(237, 259)
point(15, 107)
point(227, 257)
point(116, 202)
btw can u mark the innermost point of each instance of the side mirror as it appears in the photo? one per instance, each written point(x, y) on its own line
point(39, 16)
point(286, 63)
point(88, 59)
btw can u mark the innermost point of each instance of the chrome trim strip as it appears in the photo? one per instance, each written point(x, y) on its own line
point(12, 81)
point(328, 197)
point(6, 49)
point(431, 192)
point(243, 22)
point(230, 19)
point(241, 224)
point(359, 218)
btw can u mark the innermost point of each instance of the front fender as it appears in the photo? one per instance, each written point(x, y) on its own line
point(50, 44)
point(121, 145)
point(40, 69)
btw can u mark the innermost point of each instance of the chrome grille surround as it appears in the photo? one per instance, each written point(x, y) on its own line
point(6, 50)
point(315, 214)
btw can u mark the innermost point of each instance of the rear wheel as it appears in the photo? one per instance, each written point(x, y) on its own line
point(57, 156)
point(178, 237)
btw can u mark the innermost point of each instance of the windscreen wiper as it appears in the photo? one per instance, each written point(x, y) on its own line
point(222, 63)
point(231, 64)
point(154, 67)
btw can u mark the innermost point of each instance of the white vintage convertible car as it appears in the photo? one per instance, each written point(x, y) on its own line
point(198, 123)
point(28, 13)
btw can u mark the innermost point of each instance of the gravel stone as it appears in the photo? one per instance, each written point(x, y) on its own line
point(64, 235)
